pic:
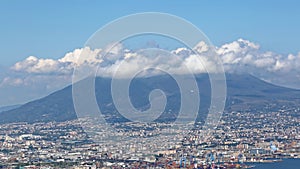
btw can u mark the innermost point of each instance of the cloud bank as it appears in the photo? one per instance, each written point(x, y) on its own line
point(240, 56)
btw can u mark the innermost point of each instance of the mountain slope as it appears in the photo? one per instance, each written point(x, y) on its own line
point(243, 92)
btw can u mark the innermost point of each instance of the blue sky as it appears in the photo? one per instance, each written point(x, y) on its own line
point(49, 29)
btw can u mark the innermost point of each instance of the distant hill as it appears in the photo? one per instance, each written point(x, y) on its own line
point(244, 93)
point(7, 108)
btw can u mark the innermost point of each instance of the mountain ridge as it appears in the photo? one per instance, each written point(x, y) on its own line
point(244, 92)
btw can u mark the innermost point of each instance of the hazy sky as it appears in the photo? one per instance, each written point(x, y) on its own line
point(49, 29)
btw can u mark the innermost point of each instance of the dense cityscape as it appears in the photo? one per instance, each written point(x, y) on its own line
point(241, 139)
point(150, 84)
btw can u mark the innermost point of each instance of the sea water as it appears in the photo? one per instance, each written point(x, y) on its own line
point(285, 164)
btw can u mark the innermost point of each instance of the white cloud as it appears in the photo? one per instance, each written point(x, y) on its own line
point(11, 81)
point(238, 56)
point(35, 65)
point(241, 56)
point(247, 57)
